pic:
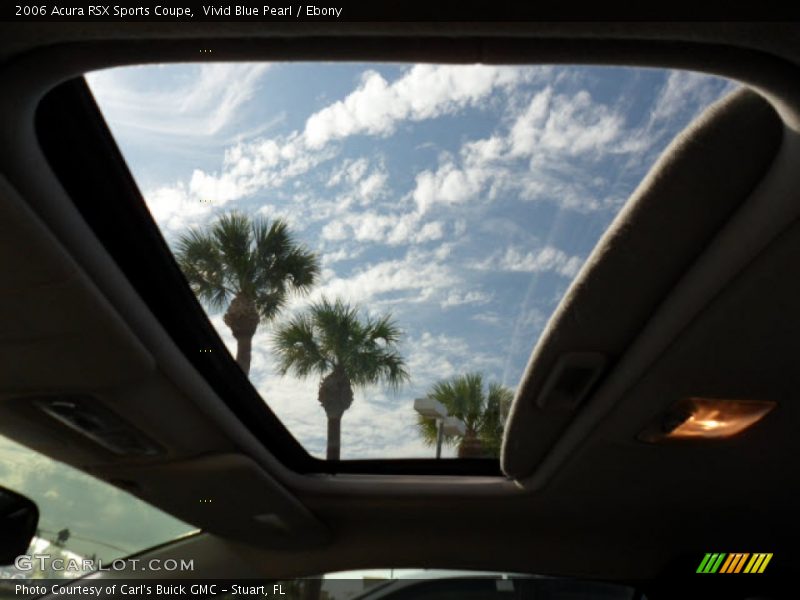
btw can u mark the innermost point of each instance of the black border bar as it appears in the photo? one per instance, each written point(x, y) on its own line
point(383, 11)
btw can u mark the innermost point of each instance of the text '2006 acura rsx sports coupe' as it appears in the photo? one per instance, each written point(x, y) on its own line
point(399, 309)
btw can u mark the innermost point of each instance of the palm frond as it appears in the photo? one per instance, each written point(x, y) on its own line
point(498, 405)
point(365, 348)
point(269, 303)
point(481, 411)
point(340, 330)
point(203, 266)
point(239, 255)
point(280, 258)
point(384, 329)
point(232, 234)
point(296, 348)
point(302, 269)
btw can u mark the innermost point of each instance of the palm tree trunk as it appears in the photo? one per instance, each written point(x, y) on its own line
point(470, 446)
point(244, 352)
point(334, 437)
point(242, 318)
point(335, 396)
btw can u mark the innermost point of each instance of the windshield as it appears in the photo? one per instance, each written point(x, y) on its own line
point(79, 516)
point(435, 584)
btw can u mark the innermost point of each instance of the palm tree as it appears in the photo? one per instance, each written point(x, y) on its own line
point(332, 341)
point(249, 266)
point(483, 413)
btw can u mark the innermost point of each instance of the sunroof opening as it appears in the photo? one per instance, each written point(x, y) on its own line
point(381, 245)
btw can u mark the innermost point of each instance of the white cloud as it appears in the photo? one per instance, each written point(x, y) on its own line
point(336, 231)
point(532, 159)
point(557, 124)
point(438, 356)
point(414, 278)
point(375, 107)
point(430, 232)
point(328, 258)
point(682, 98)
point(532, 318)
point(359, 187)
point(351, 170)
point(448, 185)
point(385, 228)
point(546, 258)
point(372, 187)
point(455, 298)
point(569, 190)
point(490, 318)
point(174, 208)
point(270, 163)
point(687, 89)
point(220, 91)
point(217, 190)
point(201, 104)
point(423, 92)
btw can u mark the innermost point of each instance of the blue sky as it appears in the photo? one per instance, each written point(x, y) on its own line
point(463, 199)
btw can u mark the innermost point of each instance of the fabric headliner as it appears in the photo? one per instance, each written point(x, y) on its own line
point(715, 163)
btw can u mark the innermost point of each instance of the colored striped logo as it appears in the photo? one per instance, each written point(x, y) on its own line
point(737, 562)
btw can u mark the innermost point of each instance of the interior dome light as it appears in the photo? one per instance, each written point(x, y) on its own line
point(707, 418)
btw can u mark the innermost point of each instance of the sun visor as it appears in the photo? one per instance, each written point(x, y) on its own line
point(225, 494)
point(698, 183)
point(59, 331)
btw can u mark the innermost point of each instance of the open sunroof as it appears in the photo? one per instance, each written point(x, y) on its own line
point(401, 232)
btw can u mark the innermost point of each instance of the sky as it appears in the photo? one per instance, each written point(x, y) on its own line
point(463, 199)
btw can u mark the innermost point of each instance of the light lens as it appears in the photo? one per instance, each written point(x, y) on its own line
point(708, 418)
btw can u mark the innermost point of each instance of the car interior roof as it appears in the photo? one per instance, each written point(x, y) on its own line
point(692, 291)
